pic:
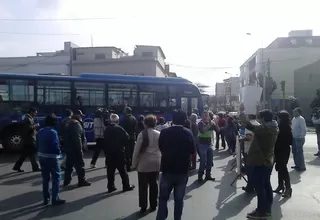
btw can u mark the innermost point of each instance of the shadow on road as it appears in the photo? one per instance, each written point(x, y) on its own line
point(74, 206)
point(20, 204)
point(22, 180)
point(134, 216)
point(295, 177)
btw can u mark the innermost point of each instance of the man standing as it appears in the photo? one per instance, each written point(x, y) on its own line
point(74, 152)
point(316, 122)
point(63, 133)
point(29, 130)
point(221, 121)
point(116, 140)
point(176, 144)
point(206, 126)
point(98, 129)
point(299, 132)
point(129, 124)
point(261, 159)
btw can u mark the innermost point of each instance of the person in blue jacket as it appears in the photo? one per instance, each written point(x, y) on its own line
point(49, 153)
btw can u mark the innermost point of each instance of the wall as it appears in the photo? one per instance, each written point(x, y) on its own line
point(87, 53)
point(146, 67)
point(283, 63)
point(36, 64)
point(307, 81)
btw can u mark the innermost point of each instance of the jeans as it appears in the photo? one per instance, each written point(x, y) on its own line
point(206, 159)
point(250, 184)
point(50, 167)
point(177, 183)
point(261, 182)
point(297, 151)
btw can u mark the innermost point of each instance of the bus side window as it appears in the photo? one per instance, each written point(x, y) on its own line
point(153, 96)
point(122, 95)
point(54, 92)
point(173, 96)
point(90, 94)
point(21, 90)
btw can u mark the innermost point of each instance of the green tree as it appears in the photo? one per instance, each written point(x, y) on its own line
point(271, 86)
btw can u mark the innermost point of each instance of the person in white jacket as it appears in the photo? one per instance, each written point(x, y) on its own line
point(162, 124)
point(146, 160)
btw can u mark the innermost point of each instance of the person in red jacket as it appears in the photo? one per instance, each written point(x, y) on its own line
point(219, 134)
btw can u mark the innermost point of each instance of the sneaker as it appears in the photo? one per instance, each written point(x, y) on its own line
point(317, 154)
point(93, 166)
point(128, 188)
point(18, 170)
point(256, 215)
point(210, 178)
point(59, 202)
point(84, 183)
point(112, 189)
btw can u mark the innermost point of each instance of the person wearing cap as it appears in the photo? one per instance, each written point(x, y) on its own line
point(74, 151)
point(80, 115)
point(116, 140)
point(129, 124)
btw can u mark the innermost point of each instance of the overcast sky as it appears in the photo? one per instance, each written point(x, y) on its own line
point(197, 37)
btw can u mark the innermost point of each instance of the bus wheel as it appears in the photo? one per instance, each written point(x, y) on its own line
point(12, 141)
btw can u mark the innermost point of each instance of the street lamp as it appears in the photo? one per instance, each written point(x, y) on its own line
point(262, 70)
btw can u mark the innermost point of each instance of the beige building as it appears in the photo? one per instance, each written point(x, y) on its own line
point(74, 60)
point(286, 54)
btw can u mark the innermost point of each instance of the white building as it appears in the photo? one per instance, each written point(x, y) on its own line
point(74, 60)
point(286, 54)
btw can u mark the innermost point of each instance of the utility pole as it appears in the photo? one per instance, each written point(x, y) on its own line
point(267, 77)
point(283, 89)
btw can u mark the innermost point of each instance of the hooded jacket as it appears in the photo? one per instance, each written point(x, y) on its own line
point(261, 152)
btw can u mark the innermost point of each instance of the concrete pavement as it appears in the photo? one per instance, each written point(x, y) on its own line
point(21, 199)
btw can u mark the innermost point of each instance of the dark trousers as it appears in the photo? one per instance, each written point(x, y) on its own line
point(50, 169)
point(23, 157)
point(218, 135)
point(148, 180)
point(177, 183)
point(119, 164)
point(99, 146)
point(262, 185)
point(77, 162)
point(129, 152)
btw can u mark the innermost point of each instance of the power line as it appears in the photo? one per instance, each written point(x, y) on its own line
point(54, 19)
point(46, 34)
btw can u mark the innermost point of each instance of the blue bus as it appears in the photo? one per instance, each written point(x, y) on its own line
point(87, 92)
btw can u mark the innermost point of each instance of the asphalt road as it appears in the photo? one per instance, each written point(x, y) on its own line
point(21, 198)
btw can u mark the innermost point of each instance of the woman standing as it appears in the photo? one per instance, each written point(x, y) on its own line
point(230, 132)
point(282, 154)
point(146, 159)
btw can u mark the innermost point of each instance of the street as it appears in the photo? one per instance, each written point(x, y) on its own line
point(21, 196)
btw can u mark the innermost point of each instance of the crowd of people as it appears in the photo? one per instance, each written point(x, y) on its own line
point(152, 146)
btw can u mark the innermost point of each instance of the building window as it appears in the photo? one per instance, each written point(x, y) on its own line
point(21, 90)
point(54, 92)
point(4, 90)
point(153, 96)
point(122, 94)
point(90, 94)
point(147, 54)
point(100, 56)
